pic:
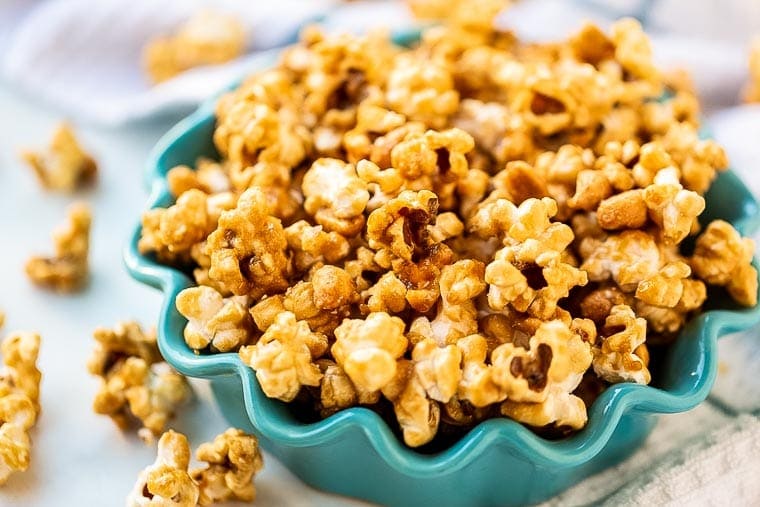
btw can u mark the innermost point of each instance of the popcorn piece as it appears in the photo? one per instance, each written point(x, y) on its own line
point(312, 245)
point(207, 38)
point(529, 273)
point(175, 230)
point(628, 258)
point(68, 269)
point(437, 368)
point(337, 392)
point(627, 210)
point(751, 92)
point(283, 358)
point(248, 249)
point(66, 166)
point(166, 482)
point(387, 295)
point(368, 349)
point(722, 257)
point(422, 90)
point(19, 401)
point(222, 323)
point(664, 320)
point(666, 287)
point(400, 225)
point(671, 207)
point(599, 302)
point(135, 383)
point(434, 161)
point(417, 415)
point(233, 460)
point(616, 358)
point(335, 196)
point(460, 284)
point(700, 160)
point(323, 301)
point(477, 385)
point(539, 381)
point(209, 176)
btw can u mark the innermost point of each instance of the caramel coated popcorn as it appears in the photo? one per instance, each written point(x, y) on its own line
point(459, 230)
point(166, 482)
point(135, 382)
point(19, 401)
point(68, 269)
point(208, 38)
point(65, 166)
point(283, 358)
point(233, 459)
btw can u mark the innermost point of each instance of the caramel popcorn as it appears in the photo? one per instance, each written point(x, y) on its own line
point(722, 257)
point(752, 88)
point(416, 413)
point(66, 166)
point(68, 269)
point(617, 358)
point(539, 381)
point(135, 382)
point(248, 248)
point(166, 482)
point(283, 358)
point(207, 38)
point(368, 349)
point(313, 245)
point(671, 207)
point(19, 401)
point(335, 196)
point(233, 459)
point(468, 228)
point(530, 273)
point(222, 323)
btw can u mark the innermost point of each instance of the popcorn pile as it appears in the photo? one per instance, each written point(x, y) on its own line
point(19, 400)
point(470, 228)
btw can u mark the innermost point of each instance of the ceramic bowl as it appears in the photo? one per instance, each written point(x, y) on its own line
point(499, 462)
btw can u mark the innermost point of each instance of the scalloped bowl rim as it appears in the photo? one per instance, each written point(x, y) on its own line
point(575, 450)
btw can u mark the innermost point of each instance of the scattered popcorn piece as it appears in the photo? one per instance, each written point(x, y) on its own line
point(207, 38)
point(66, 166)
point(68, 269)
point(233, 458)
point(751, 91)
point(617, 357)
point(135, 382)
point(19, 401)
point(722, 257)
point(222, 323)
point(166, 483)
point(283, 358)
point(368, 349)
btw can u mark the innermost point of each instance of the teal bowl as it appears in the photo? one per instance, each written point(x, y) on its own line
point(499, 462)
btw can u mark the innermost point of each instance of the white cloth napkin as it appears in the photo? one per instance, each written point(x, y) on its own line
point(83, 58)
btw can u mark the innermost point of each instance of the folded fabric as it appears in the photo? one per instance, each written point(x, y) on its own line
point(83, 57)
point(720, 469)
